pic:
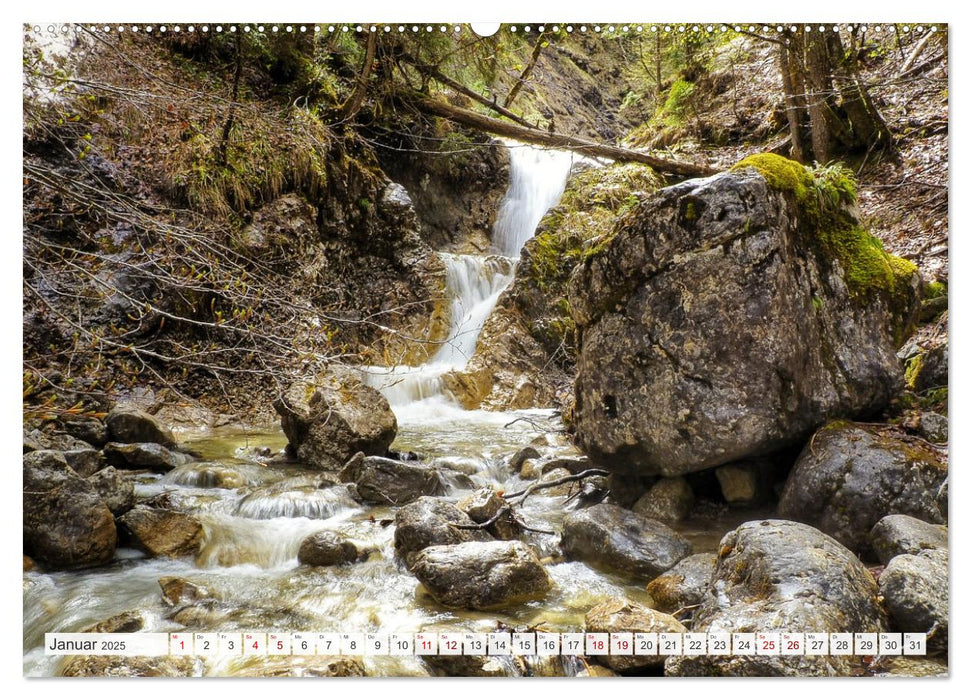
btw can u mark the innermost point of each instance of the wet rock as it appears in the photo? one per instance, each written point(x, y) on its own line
point(336, 416)
point(179, 591)
point(315, 496)
point(301, 667)
point(530, 469)
point(29, 564)
point(670, 500)
point(326, 549)
point(850, 476)
point(622, 615)
point(472, 666)
point(614, 538)
point(468, 466)
point(560, 490)
point(161, 533)
point(713, 329)
point(902, 534)
point(144, 455)
point(626, 489)
point(61, 442)
point(914, 587)
point(453, 480)
point(131, 666)
point(910, 667)
point(427, 522)
point(744, 483)
point(65, 520)
point(386, 481)
point(117, 492)
point(210, 475)
point(85, 461)
point(90, 430)
point(684, 584)
point(517, 460)
point(573, 465)
point(595, 671)
point(128, 621)
point(781, 575)
point(485, 504)
point(128, 425)
point(933, 426)
point(481, 575)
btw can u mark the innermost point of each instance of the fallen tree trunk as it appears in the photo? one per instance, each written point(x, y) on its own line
point(553, 140)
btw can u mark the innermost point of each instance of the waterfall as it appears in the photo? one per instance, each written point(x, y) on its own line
point(473, 283)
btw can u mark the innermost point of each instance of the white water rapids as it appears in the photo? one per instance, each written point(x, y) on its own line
point(474, 283)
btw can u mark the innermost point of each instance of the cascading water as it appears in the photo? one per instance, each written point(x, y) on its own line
point(474, 283)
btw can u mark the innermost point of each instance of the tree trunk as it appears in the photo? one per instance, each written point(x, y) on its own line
point(795, 103)
point(553, 140)
point(524, 76)
point(354, 103)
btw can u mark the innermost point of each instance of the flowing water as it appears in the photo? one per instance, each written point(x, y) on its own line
point(255, 514)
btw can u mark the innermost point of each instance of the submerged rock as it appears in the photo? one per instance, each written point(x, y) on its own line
point(127, 425)
point(128, 621)
point(780, 575)
point(160, 532)
point(301, 667)
point(481, 575)
point(902, 534)
point(132, 666)
point(144, 455)
point(386, 481)
point(325, 548)
point(65, 521)
point(670, 499)
point(428, 521)
point(179, 591)
point(715, 325)
point(614, 538)
point(622, 615)
point(684, 584)
point(914, 587)
point(850, 476)
point(332, 418)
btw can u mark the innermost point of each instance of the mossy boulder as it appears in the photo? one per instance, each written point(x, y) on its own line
point(716, 326)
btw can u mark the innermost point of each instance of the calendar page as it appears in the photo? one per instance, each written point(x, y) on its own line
point(540, 349)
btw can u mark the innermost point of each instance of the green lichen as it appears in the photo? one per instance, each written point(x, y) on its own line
point(913, 369)
point(933, 290)
point(690, 214)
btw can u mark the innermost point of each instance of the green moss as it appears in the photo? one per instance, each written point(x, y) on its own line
point(817, 304)
point(914, 367)
point(933, 290)
point(677, 106)
point(689, 212)
point(781, 173)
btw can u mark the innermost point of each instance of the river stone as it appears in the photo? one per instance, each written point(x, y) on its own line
point(933, 426)
point(85, 461)
point(573, 465)
point(126, 622)
point(39, 440)
point(928, 370)
point(902, 534)
point(115, 490)
point(781, 575)
point(426, 522)
point(743, 483)
point(179, 591)
point(131, 666)
point(560, 490)
point(144, 455)
point(684, 585)
point(389, 482)
point(622, 615)
point(330, 419)
point(301, 667)
point(670, 499)
point(65, 521)
point(517, 460)
point(614, 538)
point(914, 587)
point(849, 476)
point(714, 329)
point(160, 532)
point(481, 575)
point(91, 430)
point(131, 425)
point(483, 505)
point(325, 548)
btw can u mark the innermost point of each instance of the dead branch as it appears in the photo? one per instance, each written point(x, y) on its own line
point(541, 485)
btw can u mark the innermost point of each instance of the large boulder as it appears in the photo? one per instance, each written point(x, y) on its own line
point(481, 575)
point(390, 482)
point(721, 319)
point(330, 419)
point(914, 587)
point(144, 455)
point(326, 548)
point(621, 615)
point(160, 532)
point(131, 425)
point(849, 476)
point(902, 534)
point(775, 575)
point(612, 537)
point(66, 522)
point(117, 492)
point(429, 521)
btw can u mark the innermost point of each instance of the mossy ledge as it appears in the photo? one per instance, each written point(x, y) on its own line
point(823, 195)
